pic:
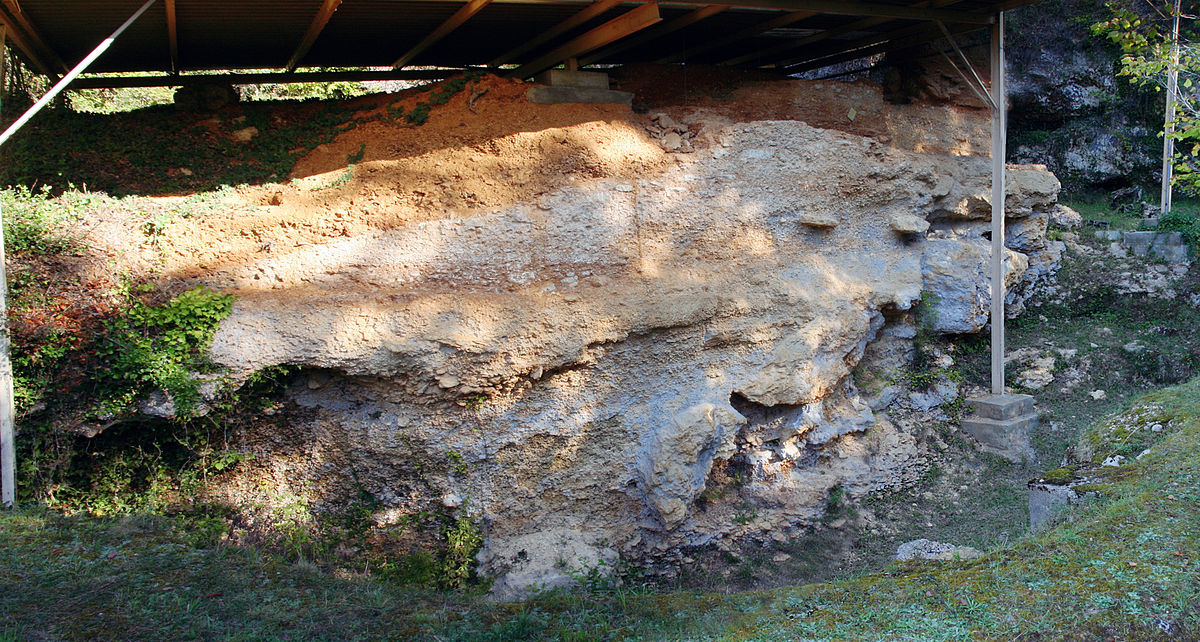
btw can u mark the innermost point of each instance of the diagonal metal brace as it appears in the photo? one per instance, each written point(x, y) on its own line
point(974, 82)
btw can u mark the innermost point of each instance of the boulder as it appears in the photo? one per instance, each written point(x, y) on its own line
point(909, 224)
point(821, 220)
point(957, 304)
point(1065, 217)
point(926, 549)
point(680, 456)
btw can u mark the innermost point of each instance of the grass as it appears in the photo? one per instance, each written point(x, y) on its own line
point(1122, 567)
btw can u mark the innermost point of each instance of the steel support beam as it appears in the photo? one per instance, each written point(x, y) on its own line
point(667, 28)
point(857, 25)
point(172, 36)
point(314, 31)
point(275, 77)
point(741, 34)
point(453, 22)
point(8, 441)
point(857, 8)
point(592, 11)
point(25, 36)
point(891, 41)
point(623, 25)
point(1168, 166)
point(999, 148)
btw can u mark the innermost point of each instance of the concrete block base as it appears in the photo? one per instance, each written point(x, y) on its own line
point(547, 95)
point(1002, 406)
point(1001, 424)
point(580, 79)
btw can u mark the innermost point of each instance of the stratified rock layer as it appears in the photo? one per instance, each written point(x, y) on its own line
point(597, 365)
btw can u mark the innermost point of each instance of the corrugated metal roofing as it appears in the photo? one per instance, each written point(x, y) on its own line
point(266, 34)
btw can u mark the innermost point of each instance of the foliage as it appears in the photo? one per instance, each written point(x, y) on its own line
point(463, 540)
point(158, 348)
point(34, 224)
point(1147, 55)
point(1185, 221)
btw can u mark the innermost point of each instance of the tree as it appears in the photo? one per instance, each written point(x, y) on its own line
point(1160, 52)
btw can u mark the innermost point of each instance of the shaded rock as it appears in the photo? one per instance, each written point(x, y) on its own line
point(1038, 375)
point(244, 135)
point(1026, 234)
point(1047, 499)
point(961, 305)
point(544, 560)
point(822, 220)
point(909, 224)
point(1065, 217)
point(925, 549)
point(681, 455)
point(1029, 189)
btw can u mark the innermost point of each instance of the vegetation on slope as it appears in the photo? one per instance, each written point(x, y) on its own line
point(1125, 566)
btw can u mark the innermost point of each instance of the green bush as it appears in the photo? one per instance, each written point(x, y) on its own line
point(463, 540)
point(33, 221)
point(160, 348)
point(1186, 222)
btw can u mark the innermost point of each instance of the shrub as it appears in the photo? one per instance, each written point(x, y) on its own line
point(160, 348)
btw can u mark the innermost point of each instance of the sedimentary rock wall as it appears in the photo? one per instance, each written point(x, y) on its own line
point(652, 350)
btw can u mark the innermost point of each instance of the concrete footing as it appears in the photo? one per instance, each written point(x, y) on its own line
point(1047, 499)
point(562, 86)
point(1001, 424)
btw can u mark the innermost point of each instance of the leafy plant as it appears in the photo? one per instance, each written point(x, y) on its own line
point(1185, 222)
point(1148, 53)
point(160, 348)
point(33, 223)
point(463, 540)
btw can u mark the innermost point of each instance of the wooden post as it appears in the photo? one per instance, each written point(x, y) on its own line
point(999, 132)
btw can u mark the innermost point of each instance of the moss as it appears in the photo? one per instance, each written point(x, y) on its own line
point(1059, 476)
point(1099, 489)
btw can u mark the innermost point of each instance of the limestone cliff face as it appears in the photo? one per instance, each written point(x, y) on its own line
point(1069, 108)
point(623, 366)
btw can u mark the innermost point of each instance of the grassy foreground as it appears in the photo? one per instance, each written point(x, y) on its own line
point(1124, 567)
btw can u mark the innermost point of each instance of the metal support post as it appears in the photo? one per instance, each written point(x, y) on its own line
point(8, 457)
point(8, 446)
point(1169, 118)
point(999, 135)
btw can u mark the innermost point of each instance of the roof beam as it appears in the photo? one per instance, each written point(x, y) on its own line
point(314, 30)
point(453, 22)
point(21, 30)
point(901, 39)
point(741, 34)
point(857, 25)
point(860, 8)
point(172, 36)
point(110, 82)
point(686, 20)
point(592, 11)
point(623, 25)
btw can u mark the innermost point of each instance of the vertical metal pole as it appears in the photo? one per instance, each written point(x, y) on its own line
point(1169, 118)
point(8, 445)
point(8, 452)
point(999, 133)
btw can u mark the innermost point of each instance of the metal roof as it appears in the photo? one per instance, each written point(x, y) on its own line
point(197, 35)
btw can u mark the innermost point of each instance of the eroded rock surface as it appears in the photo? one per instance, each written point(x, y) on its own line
point(624, 366)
